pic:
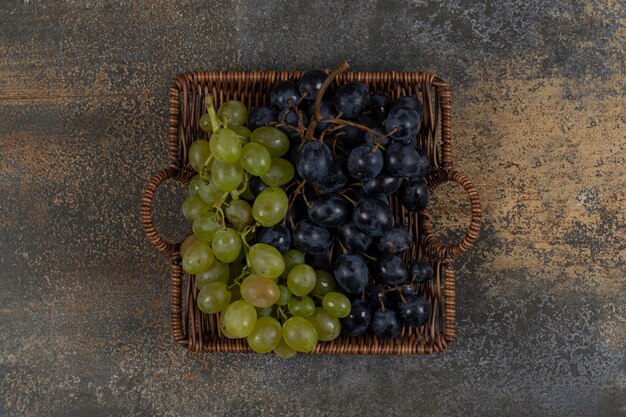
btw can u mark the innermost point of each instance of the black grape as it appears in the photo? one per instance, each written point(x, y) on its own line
point(290, 116)
point(405, 121)
point(352, 98)
point(349, 137)
point(277, 236)
point(256, 185)
point(337, 177)
point(319, 261)
point(261, 116)
point(385, 324)
point(330, 210)
point(310, 238)
point(414, 195)
point(351, 273)
point(383, 184)
point(390, 270)
point(423, 165)
point(397, 240)
point(284, 94)
point(421, 272)
point(408, 101)
point(358, 321)
point(311, 83)
point(353, 238)
point(327, 111)
point(402, 160)
point(314, 161)
point(378, 107)
point(365, 161)
point(375, 295)
point(373, 216)
point(415, 312)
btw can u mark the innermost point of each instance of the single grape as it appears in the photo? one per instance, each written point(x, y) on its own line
point(265, 336)
point(285, 295)
point(194, 206)
point(256, 159)
point(352, 98)
point(233, 112)
point(264, 311)
point(408, 101)
point(314, 161)
point(401, 160)
point(283, 351)
point(403, 123)
point(213, 298)
point(226, 177)
point(261, 116)
point(385, 324)
point(383, 184)
point(391, 270)
point(284, 94)
point(420, 272)
point(205, 122)
point(330, 210)
point(373, 216)
point(189, 240)
point(301, 306)
point(349, 137)
point(198, 258)
point(217, 272)
point(324, 284)
point(378, 107)
point(336, 304)
point(337, 177)
point(194, 185)
point(242, 131)
point(259, 291)
point(357, 322)
point(351, 273)
point(225, 146)
point(299, 334)
point(311, 83)
point(414, 195)
point(365, 162)
point(310, 238)
point(239, 213)
point(205, 226)
point(270, 206)
point(226, 245)
point(376, 296)
point(277, 236)
point(415, 312)
point(397, 240)
point(274, 140)
point(256, 185)
point(423, 165)
point(327, 326)
point(240, 318)
point(280, 173)
point(292, 257)
point(199, 152)
point(301, 279)
point(266, 260)
point(353, 238)
point(208, 191)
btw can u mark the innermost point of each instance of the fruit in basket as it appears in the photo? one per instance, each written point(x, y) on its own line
point(385, 324)
point(240, 318)
point(213, 297)
point(265, 336)
point(299, 334)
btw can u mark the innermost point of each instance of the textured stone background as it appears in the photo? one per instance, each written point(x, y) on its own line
point(539, 125)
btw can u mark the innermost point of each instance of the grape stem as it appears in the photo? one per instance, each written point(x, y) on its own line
point(219, 209)
point(210, 108)
point(236, 193)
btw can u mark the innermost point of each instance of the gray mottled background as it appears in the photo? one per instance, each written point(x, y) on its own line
point(539, 124)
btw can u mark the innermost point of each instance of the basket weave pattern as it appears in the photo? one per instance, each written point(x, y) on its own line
point(201, 332)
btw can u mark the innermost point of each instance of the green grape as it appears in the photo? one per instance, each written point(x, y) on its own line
point(225, 146)
point(205, 226)
point(270, 206)
point(301, 279)
point(273, 139)
point(325, 283)
point(235, 269)
point(198, 154)
point(193, 207)
point(189, 240)
point(285, 295)
point(301, 306)
point(205, 122)
point(226, 177)
point(259, 291)
point(336, 304)
point(213, 297)
point(264, 311)
point(327, 326)
point(223, 328)
point(217, 272)
point(194, 185)
point(198, 258)
point(239, 318)
point(283, 351)
point(266, 260)
point(233, 112)
point(265, 336)
point(208, 191)
point(239, 213)
point(280, 173)
point(226, 245)
point(242, 131)
point(256, 159)
point(292, 257)
point(299, 334)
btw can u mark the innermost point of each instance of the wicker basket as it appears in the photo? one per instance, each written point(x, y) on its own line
point(201, 332)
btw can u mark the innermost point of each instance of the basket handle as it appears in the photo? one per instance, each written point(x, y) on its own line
point(147, 198)
point(430, 240)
